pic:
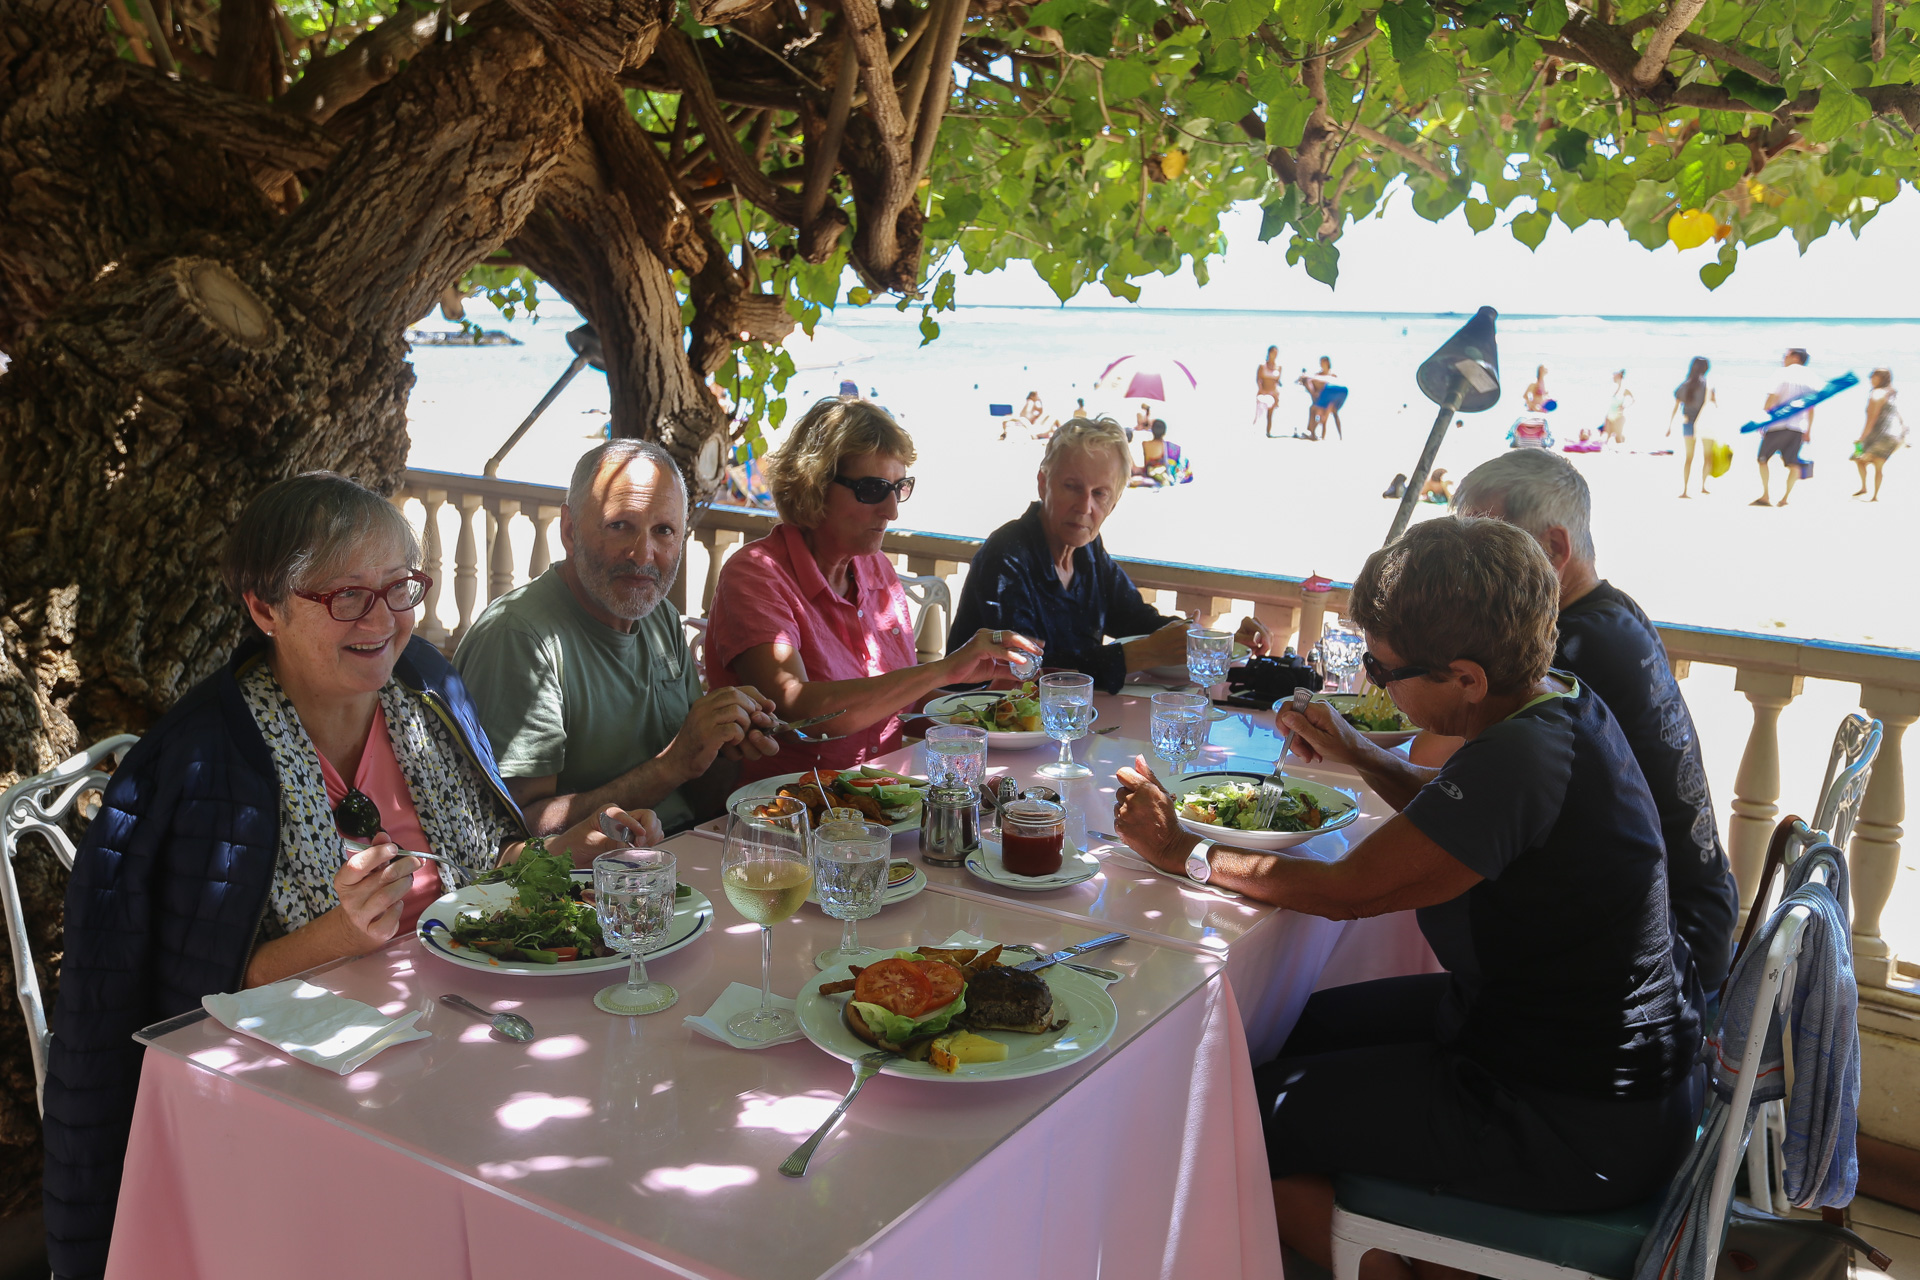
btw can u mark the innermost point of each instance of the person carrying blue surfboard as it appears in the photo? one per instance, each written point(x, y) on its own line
point(1787, 435)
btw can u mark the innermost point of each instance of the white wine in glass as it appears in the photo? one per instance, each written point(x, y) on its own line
point(766, 871)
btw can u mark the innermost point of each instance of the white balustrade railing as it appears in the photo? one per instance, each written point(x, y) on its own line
point(1770, 671)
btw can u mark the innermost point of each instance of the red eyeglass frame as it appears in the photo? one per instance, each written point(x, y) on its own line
point(325, 598)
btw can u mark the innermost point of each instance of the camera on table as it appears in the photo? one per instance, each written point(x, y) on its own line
point(1261, 682)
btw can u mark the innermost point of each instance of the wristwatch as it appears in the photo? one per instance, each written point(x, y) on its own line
point(1199, 866)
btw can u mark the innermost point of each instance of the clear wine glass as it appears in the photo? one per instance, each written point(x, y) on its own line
point(1179, 728)
point(956, 755)
point(1340, 650)
point(1066, 713)
point(633, 895)
point(1209, 654)
point(850, 861)
point(767, 871)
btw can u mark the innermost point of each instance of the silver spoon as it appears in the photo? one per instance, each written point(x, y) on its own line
point(510, 1025)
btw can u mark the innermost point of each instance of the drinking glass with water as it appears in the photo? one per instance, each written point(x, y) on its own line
point(1179, 728)
point(1066, 713)
point(850, 861)
point(1209, 654)
point(1341, 648)
point(956, 755)
point(633, 896)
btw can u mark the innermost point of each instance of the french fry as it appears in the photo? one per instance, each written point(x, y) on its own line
point(985, 960)
point(835, 988)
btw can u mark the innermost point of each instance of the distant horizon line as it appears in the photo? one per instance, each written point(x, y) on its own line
point(828, 316)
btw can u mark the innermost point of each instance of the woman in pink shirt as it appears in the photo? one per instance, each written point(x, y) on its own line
point(813, 614)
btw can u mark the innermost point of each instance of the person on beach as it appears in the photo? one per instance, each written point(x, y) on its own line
point(1786, 436)
point(1032, 417)
point(1266, 388)
point(1616, 432)
point(1883, 433)
point(1160, 462)
point(1689, 398)
point(1047, 575)
point(1142, 420)
point(1329, 399)
point(1535, 395)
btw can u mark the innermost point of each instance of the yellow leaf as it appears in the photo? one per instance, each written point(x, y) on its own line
point(1174, 163)
point(1691, 228)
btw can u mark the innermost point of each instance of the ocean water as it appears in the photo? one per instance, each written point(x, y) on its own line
point(1292, 506)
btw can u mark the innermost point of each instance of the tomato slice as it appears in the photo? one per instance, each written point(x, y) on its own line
point(945, 980)
point(566, 953)
point(898, 986)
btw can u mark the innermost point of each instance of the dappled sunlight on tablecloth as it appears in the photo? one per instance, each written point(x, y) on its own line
point(531, 1110)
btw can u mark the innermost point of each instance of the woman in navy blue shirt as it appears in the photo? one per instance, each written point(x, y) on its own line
point(1048, 576)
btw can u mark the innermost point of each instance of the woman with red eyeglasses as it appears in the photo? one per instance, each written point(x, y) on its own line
point(813, 614)
point(266, 823)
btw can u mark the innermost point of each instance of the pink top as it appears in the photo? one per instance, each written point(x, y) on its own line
point(379, 779)
point(772, 592)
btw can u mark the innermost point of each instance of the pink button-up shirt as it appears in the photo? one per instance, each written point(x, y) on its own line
point(772, 592)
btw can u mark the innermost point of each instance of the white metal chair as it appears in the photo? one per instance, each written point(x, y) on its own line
point(1510, 1244)
point(38, 805)
point(932, 604)
point(696, 629)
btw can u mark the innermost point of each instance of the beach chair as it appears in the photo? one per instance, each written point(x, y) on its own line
point(40, 805)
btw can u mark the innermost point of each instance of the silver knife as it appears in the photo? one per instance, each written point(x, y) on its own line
point(784, 726)
point(1104, 940)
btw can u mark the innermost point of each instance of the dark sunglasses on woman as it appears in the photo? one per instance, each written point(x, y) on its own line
point(872, 490)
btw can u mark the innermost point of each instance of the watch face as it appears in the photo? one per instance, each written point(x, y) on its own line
point(1198, 868)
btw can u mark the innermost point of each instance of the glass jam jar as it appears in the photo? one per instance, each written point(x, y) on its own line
point(1032, 837)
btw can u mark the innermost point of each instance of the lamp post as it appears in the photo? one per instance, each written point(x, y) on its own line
point(1463, 376)
point(586, 351)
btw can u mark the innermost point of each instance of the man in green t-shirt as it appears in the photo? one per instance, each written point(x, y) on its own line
point(583, 678)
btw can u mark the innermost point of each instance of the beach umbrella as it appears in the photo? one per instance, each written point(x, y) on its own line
point(1463, 376)
point(1146, 378)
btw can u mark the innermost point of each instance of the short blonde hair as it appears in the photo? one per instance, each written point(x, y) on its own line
point(1094, 436)
point(1463, 587)
point(799, 471)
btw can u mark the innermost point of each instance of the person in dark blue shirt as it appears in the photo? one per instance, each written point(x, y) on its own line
point(1552, 1067)
point(1048, 576)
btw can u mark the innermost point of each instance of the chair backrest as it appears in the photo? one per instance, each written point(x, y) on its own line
point(696, 629)
point(932, 604)
point(40, 805)
point(1849, 766)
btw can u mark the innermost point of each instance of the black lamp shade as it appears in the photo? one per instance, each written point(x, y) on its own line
point(1465, 371)
point(585, 342)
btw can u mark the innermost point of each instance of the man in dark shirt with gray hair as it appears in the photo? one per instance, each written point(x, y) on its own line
point(1610, 645)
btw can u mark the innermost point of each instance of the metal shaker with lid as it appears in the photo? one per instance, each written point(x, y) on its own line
point(949, 826)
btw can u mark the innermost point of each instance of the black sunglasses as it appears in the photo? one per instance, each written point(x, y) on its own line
point(872, 490)
point(357, 816)
point(1382, 676)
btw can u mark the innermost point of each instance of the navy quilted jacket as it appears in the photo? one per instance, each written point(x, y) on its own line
point(168, 891)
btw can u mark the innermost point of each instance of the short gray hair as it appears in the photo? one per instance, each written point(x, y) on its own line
point(1537, 490)
point(624, 451)
point(1090, 435)
point(302, 531)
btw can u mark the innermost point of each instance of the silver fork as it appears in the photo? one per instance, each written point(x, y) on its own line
point(1273, 788)
point(795, 1165)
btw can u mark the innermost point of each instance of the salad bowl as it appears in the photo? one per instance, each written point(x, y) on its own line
point(1195, 786)
point(944, 708)
point(692, 915)
point(1362, 710)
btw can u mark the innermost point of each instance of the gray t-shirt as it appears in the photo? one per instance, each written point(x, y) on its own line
point(560, 692)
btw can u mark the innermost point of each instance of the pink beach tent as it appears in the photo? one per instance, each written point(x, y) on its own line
point(1147, 378)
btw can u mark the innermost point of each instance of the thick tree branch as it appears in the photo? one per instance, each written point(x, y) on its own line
point(607, 34)
point(368, 61)
point(1653, 61)
point(939, 90)
point(823, 152)
point(1879, 30)
point(682, 62)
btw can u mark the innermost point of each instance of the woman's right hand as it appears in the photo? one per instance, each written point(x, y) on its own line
point(977, 658)
point(1166, 647)
point(371, 885)
point(1321, 733)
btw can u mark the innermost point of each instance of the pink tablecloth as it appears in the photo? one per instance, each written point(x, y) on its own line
point(632, 1147)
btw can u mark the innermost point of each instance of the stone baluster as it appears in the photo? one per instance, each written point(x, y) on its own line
point(466, 564)
point(543, 518)
point(1206, 609)
point(1756, 787)
point(500, 546)
point(431, 628)
point(1279, 619)
point(1873, 861)
point(716, 541)
point(930, 637)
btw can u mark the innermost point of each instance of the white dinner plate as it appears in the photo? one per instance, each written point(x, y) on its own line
point(692, 914)
point(1090, 1011)
point(1023, 741)
point(900, 892)
point(1345, 702)
point(1263, 840)
point(1240, 654)
point(1077, 867)
point(767, 788)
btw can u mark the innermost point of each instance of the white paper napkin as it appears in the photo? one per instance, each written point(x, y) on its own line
point(735, 1000)
point(313, 1024)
